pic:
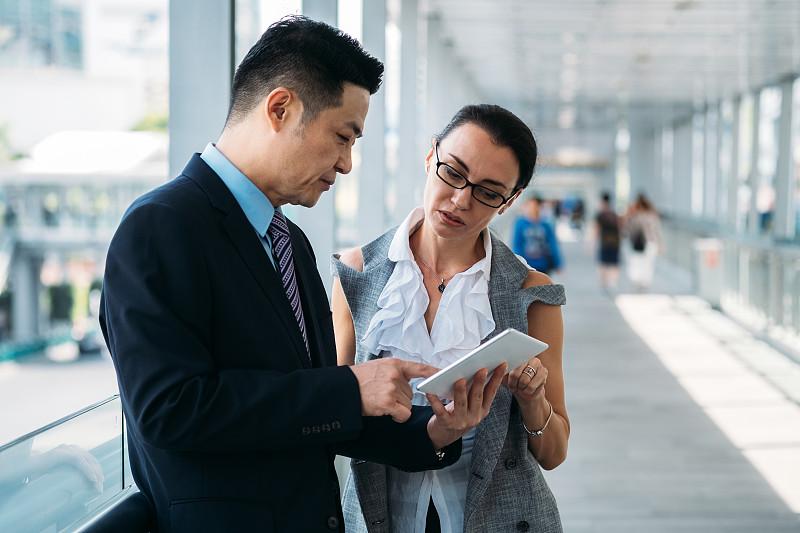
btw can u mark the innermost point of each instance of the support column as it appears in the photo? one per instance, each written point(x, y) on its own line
point(410, 170)
point(719, 200)
point(201, 67)
point(371, 220)
point(784, 188)
point(733, 178)
point(682, 169)
point(752, 179)
point(710, 163)
point(25, 303)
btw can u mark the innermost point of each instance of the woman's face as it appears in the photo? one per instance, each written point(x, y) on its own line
point(454, 213)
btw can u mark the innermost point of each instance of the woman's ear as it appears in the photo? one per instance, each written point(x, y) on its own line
point(509, 202)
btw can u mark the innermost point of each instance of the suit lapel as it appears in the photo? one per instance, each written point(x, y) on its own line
point(244, 240)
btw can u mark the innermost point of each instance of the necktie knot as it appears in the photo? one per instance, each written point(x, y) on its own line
point(278, 226)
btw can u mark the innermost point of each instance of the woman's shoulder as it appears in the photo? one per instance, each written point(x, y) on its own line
point(536, 279)
point(353, 258)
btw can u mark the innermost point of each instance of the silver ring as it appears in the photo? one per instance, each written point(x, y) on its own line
point(530, 371)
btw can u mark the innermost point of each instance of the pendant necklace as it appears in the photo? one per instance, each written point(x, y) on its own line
point(441, 285)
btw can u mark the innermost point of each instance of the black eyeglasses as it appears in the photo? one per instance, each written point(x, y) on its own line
point(456, 180)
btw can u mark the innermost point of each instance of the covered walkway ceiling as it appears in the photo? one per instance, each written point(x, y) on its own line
point(586, 64)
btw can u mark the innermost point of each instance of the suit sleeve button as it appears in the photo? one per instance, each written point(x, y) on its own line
point(336, 425)
point(306, 430)
point(315, 429)
point(333, 523)
point(511, 463)
point(522, 525)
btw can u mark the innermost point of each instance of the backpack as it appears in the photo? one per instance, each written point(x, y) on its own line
point(638, 240)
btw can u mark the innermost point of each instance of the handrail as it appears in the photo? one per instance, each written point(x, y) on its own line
point(758, 280)
point(58, 422)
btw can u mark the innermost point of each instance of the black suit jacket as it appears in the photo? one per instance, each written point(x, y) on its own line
point(229, 426)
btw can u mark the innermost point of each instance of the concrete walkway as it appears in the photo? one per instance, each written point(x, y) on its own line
point(681, 419)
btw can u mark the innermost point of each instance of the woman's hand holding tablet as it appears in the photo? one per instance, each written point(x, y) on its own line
point(509, 346)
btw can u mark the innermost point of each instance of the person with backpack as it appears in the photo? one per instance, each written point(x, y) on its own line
point(644, 232)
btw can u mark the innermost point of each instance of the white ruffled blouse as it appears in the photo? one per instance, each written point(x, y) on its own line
point(463, 319)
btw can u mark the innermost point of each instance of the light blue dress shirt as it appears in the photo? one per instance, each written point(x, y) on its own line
point(256, 206)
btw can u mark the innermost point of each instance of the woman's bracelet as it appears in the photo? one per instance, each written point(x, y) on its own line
point(539, 432)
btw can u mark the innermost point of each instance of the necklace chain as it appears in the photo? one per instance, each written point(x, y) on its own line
point(441, 285)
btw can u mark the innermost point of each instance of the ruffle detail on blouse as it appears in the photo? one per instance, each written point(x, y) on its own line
point(463, 319)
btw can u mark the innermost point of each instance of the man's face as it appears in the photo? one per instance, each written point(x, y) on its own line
point(313, 153)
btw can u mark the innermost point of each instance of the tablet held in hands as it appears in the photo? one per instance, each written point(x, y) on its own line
point(509, 346)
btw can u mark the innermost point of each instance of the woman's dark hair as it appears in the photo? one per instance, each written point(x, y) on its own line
point(505, 129)
point(308, 57)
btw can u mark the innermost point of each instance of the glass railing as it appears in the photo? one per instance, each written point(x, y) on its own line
point(751, 279)
point(57, 477)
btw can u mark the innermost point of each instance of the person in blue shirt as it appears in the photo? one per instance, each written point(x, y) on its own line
point(535, 240)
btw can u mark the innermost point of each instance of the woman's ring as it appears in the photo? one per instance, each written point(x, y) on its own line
point(530, 371)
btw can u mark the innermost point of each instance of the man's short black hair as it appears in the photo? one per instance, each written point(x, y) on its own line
point(308, 57)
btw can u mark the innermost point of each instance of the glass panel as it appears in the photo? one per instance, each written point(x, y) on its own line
point(61, 473)
point(768, 132)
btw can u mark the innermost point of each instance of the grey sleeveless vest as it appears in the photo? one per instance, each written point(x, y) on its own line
point(507, 491)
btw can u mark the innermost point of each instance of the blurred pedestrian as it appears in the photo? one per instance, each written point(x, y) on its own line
point(535, 239)
point(643, 228)
point(606, 232)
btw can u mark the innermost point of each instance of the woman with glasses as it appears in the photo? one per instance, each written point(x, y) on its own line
point(433, 289)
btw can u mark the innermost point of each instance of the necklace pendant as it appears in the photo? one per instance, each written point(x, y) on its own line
point(441, 287)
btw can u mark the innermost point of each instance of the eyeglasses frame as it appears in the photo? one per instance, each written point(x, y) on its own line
point(439, 163)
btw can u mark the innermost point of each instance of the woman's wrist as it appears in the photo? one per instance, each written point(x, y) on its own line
point(538, 432)
point(535, 413)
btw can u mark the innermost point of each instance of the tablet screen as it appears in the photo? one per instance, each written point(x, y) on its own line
point(510, 346)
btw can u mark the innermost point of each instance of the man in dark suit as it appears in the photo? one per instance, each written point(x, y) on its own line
point(220, 328)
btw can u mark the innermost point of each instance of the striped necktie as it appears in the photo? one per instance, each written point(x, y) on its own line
point(282, 249)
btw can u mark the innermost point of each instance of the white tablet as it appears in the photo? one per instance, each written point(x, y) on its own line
point(510, 346)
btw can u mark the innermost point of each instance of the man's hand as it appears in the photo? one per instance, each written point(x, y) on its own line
point(384, 388)
point(449, 423)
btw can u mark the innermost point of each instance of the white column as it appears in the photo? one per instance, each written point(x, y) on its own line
point(784, 188)
point(371, 220)
point(710, 163)
point(753, 227)
point(719, 201)
point(201, 66)
point(25, 302)
point(682, 169)
point(733, 178)
point(410, 171)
